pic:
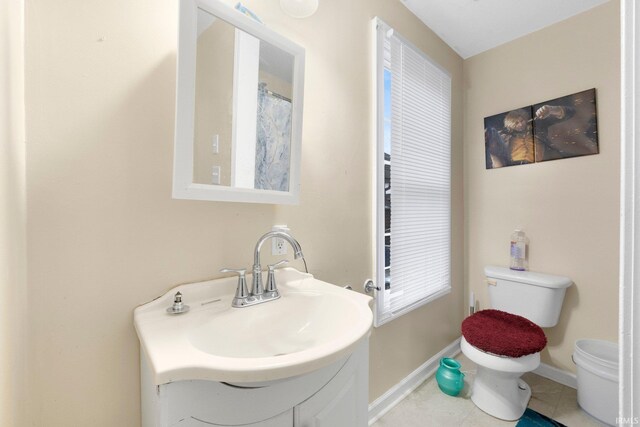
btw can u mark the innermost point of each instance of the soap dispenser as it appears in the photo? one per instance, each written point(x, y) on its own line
point(518, 251)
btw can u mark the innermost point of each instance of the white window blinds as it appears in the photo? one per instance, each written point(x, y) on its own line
point(420, 179)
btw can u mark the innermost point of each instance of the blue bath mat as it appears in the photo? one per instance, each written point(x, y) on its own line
point(531, 418)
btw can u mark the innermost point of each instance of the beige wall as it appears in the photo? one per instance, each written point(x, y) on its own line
point(13, 282)
point(104, 234)
point(569, 208)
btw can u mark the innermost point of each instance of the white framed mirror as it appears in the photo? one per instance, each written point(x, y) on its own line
point(238, 108)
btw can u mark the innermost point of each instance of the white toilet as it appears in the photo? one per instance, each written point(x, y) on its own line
point(503, 344)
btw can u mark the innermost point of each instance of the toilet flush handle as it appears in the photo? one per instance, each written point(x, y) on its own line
point(491, 282)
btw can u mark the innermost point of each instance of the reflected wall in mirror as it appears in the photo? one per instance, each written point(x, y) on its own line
point(241, 86)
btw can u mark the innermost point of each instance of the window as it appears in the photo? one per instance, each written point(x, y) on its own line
point(412, 196)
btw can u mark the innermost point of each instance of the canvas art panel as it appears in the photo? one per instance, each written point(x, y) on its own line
point(509, 138)
point(566, 127)
point(556, 129)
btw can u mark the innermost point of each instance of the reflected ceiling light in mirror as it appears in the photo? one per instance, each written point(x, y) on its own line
point(299, 8)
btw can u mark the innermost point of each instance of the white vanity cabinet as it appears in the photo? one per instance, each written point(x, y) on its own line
point(333, 396)
point(300, 360)
point(342, 402)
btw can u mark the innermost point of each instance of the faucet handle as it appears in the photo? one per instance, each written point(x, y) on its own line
point(277, 264)
point(271, 278)
point(240, 271)
point(242, 293)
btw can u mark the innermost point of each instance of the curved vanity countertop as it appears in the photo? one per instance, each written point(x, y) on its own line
point(312, 325)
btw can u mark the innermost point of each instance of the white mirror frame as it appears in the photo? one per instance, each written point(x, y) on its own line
point(183, 185)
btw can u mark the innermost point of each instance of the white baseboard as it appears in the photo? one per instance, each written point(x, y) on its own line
point(395, 394)
point(558, 375)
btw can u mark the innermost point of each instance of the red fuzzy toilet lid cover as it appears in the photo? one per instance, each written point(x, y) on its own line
point(502, 333)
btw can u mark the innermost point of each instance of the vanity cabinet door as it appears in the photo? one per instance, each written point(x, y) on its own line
point(283, 420)
point(330, 407)
point(343, 402)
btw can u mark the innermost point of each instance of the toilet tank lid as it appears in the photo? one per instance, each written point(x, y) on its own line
point(528, 277)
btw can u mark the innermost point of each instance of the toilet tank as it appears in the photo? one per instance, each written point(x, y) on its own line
point(536, 296)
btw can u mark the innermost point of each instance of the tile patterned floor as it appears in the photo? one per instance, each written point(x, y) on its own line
point(427, 406)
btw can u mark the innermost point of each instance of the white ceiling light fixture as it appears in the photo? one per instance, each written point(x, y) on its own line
point(299, 8)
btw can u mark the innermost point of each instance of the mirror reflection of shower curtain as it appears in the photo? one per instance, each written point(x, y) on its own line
point(273, 141)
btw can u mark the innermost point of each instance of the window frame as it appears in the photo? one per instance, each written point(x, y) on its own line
point(382, 311)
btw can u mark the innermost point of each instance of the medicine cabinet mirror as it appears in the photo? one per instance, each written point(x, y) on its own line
point(238, 108)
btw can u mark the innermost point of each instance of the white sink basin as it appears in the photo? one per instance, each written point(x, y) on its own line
point(312, 325)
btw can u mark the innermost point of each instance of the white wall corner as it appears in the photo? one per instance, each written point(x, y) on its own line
point(629, 317)
point(245, 109)
point(13, 222)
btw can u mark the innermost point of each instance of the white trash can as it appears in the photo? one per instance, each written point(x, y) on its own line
point(597, 372)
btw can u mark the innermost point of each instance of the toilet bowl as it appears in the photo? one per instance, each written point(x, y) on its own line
point(505, 342)
point(505, 346)
point(499, 391)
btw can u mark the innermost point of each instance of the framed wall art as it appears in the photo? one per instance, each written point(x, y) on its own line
point(556, 129)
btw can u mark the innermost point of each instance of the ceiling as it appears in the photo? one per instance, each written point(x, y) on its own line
point(473, 26)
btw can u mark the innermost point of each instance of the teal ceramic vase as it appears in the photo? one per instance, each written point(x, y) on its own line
point(449, 378)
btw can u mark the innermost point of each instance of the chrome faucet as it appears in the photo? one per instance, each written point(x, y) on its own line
point(257, 288)
point(257, 294)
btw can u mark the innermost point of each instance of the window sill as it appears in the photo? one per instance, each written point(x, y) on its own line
point(381, 319)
